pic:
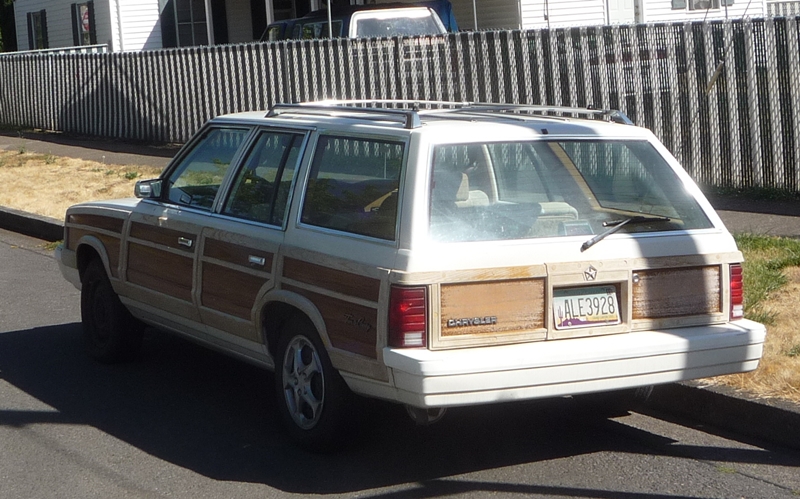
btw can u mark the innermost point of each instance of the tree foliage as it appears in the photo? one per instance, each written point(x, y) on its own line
point(8, 32)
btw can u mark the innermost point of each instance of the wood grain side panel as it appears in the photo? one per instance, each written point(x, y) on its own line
point(101, 222)
point(160, 271)
point(110, 243)
point(236, 254)
point(160, 235)
point(677, 292)
point(339, 281)
point(229, 291)
point(351, 327)
point(492, 307)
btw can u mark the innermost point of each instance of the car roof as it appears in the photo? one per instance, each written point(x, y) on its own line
point(439, 118)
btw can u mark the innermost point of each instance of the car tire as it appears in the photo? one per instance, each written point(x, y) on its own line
point(110, 333)
point(313, 399)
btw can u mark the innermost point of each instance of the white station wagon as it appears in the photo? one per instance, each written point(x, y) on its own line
point(454, 255)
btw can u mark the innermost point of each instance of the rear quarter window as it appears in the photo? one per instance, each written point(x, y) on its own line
point(353, 186)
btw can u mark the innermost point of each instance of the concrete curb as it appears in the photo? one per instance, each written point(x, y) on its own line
point(774, 421)
point(46, 228)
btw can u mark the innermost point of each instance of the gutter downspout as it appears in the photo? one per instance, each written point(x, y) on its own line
point(209, 22)
point(475, 14)
point(330, 22)
point(119, 27)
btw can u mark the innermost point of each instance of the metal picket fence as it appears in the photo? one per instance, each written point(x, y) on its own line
point(723, 96)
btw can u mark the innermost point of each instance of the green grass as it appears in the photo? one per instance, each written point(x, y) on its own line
point(755, 193)
point(52, 245)
point(765, 258)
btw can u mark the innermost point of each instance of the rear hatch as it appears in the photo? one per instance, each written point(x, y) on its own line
point(571, 238)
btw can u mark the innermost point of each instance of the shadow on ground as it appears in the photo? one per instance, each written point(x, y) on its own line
point(56, 141)
point(214, 415)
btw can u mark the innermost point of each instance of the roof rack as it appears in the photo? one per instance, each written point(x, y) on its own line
point(409, 117)
point(546, 111)
point(408, 112)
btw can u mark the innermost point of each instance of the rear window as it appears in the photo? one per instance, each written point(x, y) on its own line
point(533, 189)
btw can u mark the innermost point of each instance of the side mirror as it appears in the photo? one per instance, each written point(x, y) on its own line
point(148, 189)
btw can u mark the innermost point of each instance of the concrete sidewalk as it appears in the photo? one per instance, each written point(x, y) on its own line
point(93, 149)
point(772, 421)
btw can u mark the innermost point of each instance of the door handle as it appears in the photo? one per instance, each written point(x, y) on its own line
point(185, 241)
point(256, 260)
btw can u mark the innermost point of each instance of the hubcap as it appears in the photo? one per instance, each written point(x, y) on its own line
point(303, 382)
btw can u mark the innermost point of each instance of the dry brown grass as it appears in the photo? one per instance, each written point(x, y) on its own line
point(778, 374)
point(48, 185)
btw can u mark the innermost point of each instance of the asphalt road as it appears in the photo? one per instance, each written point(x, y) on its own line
point(187, 422)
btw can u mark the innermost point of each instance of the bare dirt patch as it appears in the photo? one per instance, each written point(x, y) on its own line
point(778, 374)
point(47, 185)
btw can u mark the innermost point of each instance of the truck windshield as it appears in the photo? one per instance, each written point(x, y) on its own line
point(535, 189)
point(396, 22)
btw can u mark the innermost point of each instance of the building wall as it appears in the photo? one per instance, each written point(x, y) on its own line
point(59, 21)
point(566, 13)
point(141, 29)
point(140, 26)
point(562, 13)
point(240, 25)
point(661, 10)
point(492, 14)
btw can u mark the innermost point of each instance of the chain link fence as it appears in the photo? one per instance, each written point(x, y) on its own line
point(724, 97)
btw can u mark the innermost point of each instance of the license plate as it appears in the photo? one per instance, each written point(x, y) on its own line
point(585, 307)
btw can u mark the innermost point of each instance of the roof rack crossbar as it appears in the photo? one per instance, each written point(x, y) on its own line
point(612, 114)
point(409, 117)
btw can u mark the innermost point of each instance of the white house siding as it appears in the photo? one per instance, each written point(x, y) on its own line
point(492, 14)
point(59, 21)
point(102, 20)
point(141, 28)
point(661, 11)
point(562, 13)
point(240, 23)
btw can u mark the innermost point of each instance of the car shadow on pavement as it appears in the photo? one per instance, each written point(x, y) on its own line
point(216, 416)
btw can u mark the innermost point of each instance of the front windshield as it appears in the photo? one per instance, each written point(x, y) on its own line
point(402, 22)
point(533, 189)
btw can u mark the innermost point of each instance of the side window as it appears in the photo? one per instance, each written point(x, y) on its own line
point(197, 178)
point(518, 178)
point(353, 186)
point(261, 189)
point(315, 30)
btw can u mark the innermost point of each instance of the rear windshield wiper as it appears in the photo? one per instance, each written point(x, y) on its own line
point(615, 225)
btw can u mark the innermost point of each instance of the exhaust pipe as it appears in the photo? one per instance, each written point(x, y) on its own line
point(425, 417)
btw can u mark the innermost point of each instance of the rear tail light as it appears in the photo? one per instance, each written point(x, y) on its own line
point(408, 317)
point(737, 292)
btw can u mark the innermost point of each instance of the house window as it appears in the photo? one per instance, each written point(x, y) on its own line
point(703, 4)
point(37, 30)
point(700, 4)
point(83, 28)
point(190, 19)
